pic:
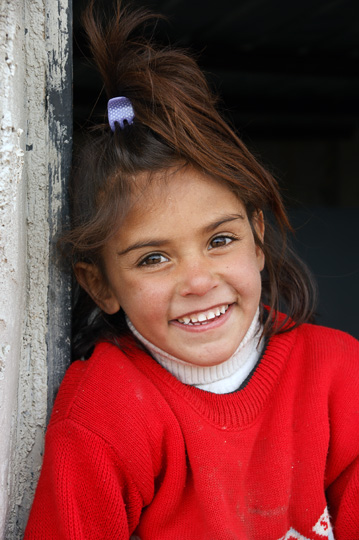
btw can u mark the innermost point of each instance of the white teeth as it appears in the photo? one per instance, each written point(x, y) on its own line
point(204, 316)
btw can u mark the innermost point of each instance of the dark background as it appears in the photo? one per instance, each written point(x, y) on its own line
point(287, 72)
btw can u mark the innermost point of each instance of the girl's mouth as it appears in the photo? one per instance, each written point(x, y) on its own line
point(203, 317)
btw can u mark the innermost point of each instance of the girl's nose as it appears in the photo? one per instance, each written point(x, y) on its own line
point(197, 278)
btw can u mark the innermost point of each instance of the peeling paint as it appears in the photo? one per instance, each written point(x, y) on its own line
point(12, 243)
point(60, 124)
point(34, 158)
point(4, 351)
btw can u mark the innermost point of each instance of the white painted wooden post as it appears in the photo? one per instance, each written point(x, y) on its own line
point(12, 238)
point(35, 148)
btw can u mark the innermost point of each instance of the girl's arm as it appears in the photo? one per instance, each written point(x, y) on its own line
point(84, 491)
point(343, 496)
point(343, 457)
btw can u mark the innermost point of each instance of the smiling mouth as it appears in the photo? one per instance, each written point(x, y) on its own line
point(203, 317)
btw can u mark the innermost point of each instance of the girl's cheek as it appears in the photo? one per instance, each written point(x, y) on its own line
point(148, 293)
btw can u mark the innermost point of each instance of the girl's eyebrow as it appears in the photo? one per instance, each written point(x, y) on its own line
point(139, 245)
point(159, 243)
point(224, 219)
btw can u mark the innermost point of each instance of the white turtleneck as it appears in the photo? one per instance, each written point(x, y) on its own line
point(220, 379)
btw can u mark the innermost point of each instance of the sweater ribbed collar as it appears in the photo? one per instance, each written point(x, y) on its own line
point(219, 379)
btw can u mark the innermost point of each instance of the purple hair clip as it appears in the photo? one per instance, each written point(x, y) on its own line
point(120, 110)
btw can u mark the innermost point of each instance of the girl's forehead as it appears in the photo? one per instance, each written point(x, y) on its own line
point(176, 200)
point(180, 185)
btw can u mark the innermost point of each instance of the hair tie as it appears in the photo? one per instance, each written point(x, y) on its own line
point(119, 110)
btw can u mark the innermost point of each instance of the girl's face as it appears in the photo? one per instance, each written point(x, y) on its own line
point(184, 267)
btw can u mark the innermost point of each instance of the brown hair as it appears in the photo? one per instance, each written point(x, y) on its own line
point(176, 121)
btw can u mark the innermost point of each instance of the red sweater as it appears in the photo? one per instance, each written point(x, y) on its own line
point(131, 450)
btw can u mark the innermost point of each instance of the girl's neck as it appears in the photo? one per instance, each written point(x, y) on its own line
point(220, 379)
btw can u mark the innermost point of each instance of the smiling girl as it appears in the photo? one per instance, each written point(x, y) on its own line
point(186, 252)
point(198, 410)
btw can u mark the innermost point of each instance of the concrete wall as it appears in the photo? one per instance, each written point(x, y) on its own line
point(35, 135)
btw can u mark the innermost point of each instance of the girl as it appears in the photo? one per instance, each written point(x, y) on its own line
point(201, 412)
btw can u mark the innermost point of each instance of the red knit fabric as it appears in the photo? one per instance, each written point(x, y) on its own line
point(131, 450)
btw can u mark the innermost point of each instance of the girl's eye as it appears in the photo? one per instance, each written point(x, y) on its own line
point(220, 241)
point(154, 258)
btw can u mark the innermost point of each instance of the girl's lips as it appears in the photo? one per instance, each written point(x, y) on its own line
point(204, 320)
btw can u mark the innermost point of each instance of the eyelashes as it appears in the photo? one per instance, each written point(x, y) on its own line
point(222, 240)
point(219, 241)
point(153, 259)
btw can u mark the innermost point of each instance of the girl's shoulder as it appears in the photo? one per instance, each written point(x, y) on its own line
point(314, 352)
point(327, 353)
point(108, 395)
point(328, 340)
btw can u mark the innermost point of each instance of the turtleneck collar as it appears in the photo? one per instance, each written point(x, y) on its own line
point(220, 379)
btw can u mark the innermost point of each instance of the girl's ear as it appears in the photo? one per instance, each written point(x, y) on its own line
point(258, 223)
point(93, 281)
